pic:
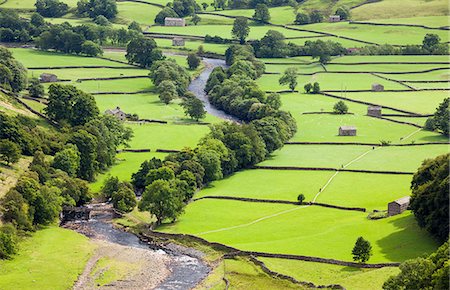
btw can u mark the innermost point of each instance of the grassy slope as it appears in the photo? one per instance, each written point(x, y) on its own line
point(51, 259)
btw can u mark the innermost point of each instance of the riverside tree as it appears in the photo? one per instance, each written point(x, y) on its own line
point(193, 61)
point(143, 52)
point(193, 107)
point(289, 78)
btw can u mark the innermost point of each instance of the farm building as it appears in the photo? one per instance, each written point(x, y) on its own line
point(398, 206)
point(118, 113)
point(352, 50)
point(48, 78)
point(334, 18)
point(347, 131)
point(177, 41)
point(169, 21)
point(377, 88)
point(374, 111)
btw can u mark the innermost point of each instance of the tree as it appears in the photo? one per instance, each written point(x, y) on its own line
point(210, 161)
point(193, 108)
point(240, 29)
point(16, 210)
point(47, 205)
point(205, 5)
point(423, 273)
point(51, 8)
point(36, 89)
point(124, 198)
point(430, 42)
point(162, 173)
point(300, 198)
point(91, 48)
point(9, 151)
point(302, 19)
point(135, 26)
point(316, 88)
point(110, 185)
point(167, 91)
point(343, 12)
point(196, 19)
point(316, 16)
point(143, 52)
point(289, 78)
point(162, 200)
point(440, 120)
point(8, 241)
point(274, 101)
point(37, 20)
point(262, 13)
point(193, 61)
point(165, 12)
point(271, 45)
point(102, 21)
point(430, 198)
point(340, 108)
point(139, 179)
point(308, 88)
point(94, 8)
point(362, 250)
point(68, 160)
point(86, 144)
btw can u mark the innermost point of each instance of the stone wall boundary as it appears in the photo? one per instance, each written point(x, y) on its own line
point(398, 24)
point(331, 169)
point(365, 144)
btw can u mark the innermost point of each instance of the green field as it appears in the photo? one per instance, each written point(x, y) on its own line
point(52, 258)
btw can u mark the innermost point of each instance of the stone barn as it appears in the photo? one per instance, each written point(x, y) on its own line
point(347, 131)
point(374, 111)
point(334, 18)
point(118, 113)
point(398, 206)
point(48, 78)
point(169, 21)
point(377, 88)
point(177, 41)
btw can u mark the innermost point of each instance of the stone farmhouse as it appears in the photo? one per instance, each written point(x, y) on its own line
point(178, 41)
point(347, 131)
point(48, 78)
point(118, 113)
point(377, 88)
point(334, 18)
point(374, 111)
point(398, 206)
point(169, 21)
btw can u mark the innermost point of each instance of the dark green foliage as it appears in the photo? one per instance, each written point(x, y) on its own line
point(20, 131)
point(124, 199)
point(216, 39)
point(316, 88)
point(40, 166)
point(193, 61)
point(9, 151)
point(162, 173)
point(51, 8)
point(139, 178)
point(302, 18)
point(430, 42)
point(74, 191)
point(143, 52)
point(343, 12)
point(167, 91)
point(440, 120)
point(68, 160)
point(271, 45)
point(193, 107)
point(430, 198)
point(240, 29)
point(110, 185)
point(185, 8)
point(8, 241)
point(36, 89)
point(16, 210)
point(94, 8)
point(423, 273)
point(300, 198)
point(163, 199)
point(362, 250)
point(169, 70)
point(237, 53)
point(196, 19)
point(13, 76)
point(216, 77)
point(68, 104)
point(87, 145)
point(262, 13)
point(308, 88)
point(135, 26)
point(316, 16)
point(165, 12)
point(340, 108)
point(102, 21)
point(289, 78)
point(274, 101)
point(91, 48)
point(47, 205)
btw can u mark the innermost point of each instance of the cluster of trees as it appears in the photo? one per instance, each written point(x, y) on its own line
point(430, 198)
point(170, 79)
point(312, 88)
point(262, 13)
point(121, 194)
point(143, 52)
point(13, 75)
point(431, 44)
point(94, 8)
point(340, 108)
point(316, 16)
point(51, 8)
point(178, 8)
point(216, 39)
point(252, 4)
point(440, 120)
point(15, 29)
point(431, 272)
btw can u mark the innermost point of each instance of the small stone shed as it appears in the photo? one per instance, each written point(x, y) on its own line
point(334, 18)
point(398, 206)
point(353, 50)
point(118, 113)
point(169, 21)
point(374, 111)
point(347, 131)
point(48, 78)
point(377, 87)
point(178, 41)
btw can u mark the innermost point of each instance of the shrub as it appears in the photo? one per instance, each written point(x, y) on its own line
point(9, 151)
point(316, 88)
point(36, 89)
point(193, 61)
point(340, 108)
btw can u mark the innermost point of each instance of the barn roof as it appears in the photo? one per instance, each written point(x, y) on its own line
point(347, 128)
point(403, 200)
point(173, 18)
point(375, 107)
